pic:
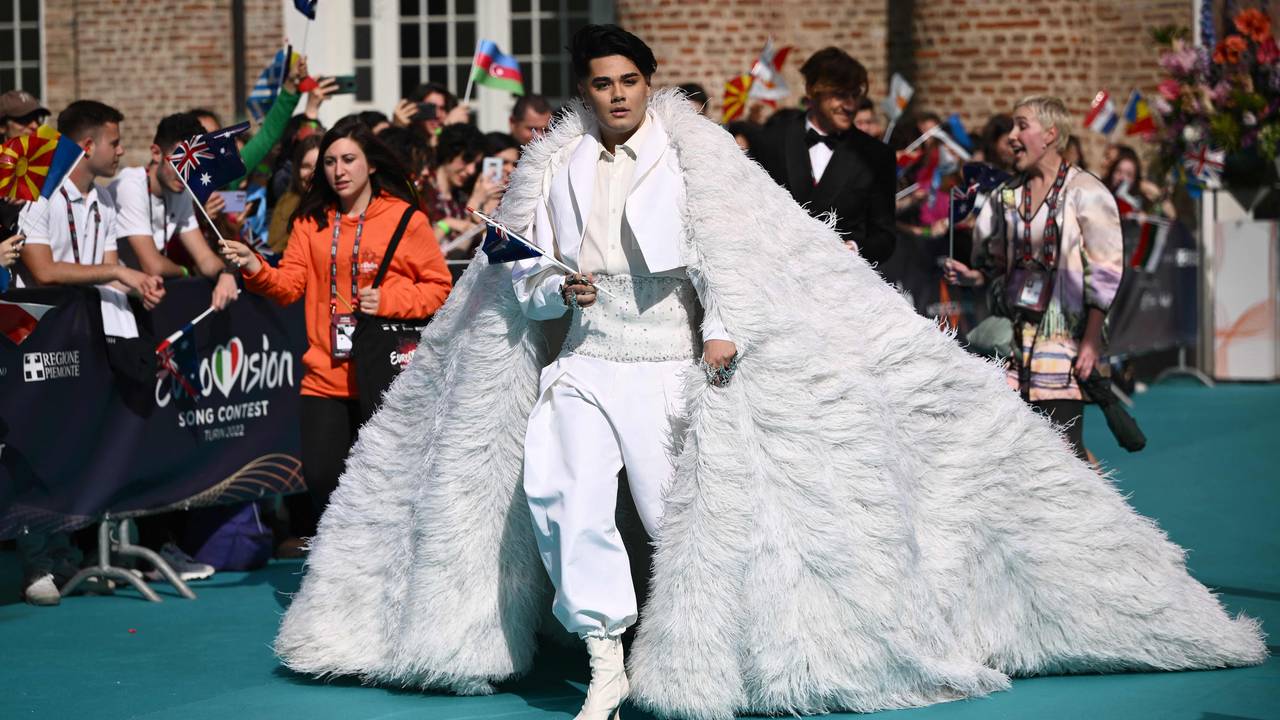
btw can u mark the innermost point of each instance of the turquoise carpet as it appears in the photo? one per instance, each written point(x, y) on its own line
point(1210, 476)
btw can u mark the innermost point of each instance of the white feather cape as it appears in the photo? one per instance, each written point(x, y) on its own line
point(865, 518)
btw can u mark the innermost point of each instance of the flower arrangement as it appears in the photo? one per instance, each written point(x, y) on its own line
point(1227, 97)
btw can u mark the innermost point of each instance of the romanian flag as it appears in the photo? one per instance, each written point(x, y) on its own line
point(496, 69)
point(33, 166)
point(1138, 119)
point(736, 92)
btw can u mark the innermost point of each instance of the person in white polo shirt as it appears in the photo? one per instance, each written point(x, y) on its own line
point(156, 220)
point(71, 240)
point(71, 236)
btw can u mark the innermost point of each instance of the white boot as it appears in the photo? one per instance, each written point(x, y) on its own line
point(609, 685)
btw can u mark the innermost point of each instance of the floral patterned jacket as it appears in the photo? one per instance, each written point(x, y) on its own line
point(1090, 265)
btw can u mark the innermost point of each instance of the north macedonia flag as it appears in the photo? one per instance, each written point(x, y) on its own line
point(34, 165)
point(735, 97)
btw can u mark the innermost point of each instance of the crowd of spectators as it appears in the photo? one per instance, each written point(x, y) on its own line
point(128, 230)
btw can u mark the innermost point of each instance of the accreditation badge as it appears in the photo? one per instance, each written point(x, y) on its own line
point(342, 329)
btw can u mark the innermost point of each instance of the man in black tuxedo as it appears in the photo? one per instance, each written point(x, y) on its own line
point(829, 165)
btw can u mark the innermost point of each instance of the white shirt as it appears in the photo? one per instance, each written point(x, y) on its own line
point(44, 222)
point(141, 213)
point(819, 153)
point(609, 247)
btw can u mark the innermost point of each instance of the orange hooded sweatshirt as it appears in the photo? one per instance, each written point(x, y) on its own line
point(416, 284)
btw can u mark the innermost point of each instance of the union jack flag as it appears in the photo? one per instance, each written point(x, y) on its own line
point(1205, 164)
point(188, 154)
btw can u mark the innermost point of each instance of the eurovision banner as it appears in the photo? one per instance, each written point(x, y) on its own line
point(88, 428)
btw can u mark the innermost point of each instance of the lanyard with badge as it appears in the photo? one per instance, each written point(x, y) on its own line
point(71, 227)
point(342, 326)
point(1031, 282)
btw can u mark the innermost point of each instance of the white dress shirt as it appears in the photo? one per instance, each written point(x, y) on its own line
point(819, 153)
point(609, 246)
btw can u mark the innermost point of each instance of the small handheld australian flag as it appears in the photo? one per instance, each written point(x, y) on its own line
point(210, 161)
point(503, 247)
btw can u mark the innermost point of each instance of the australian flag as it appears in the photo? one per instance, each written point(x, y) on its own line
point(979, 178)
point(210, 161)
point(503, 247)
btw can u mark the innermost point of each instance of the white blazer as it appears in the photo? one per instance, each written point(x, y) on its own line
point(654, 212)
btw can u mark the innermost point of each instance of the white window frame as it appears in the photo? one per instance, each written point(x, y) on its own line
point(12, 36)
point(331, 42)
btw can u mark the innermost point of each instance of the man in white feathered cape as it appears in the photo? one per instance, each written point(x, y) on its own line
point(864, 518)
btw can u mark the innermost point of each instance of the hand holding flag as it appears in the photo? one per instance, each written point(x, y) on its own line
point(501, 245)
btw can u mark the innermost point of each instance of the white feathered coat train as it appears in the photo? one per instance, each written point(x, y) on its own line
point(865, 518)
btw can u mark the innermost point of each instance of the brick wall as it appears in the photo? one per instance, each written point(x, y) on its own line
point(974, 57)
point(710, 42)
point(150, 59)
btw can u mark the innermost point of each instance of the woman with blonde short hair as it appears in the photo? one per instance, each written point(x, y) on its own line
point(1049, 244)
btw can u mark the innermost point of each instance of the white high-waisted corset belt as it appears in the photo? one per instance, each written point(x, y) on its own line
point(647, 319)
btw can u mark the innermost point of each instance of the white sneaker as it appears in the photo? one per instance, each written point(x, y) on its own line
point(182, 564)
point(42, 591)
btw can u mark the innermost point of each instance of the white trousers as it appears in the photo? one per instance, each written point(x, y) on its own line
point(593, 417)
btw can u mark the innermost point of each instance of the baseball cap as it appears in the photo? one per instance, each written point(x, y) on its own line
point(17, 103)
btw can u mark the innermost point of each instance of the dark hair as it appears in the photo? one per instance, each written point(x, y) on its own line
point(496, 142)
point(408, 145)
point(922, 115)
point(746, 129)
point(459, 139)
point(175, 128)
point(300, 150)
point(997, 127)
point(695, 92)
point(321, 199)
point(1080, 161)
point(597, 41)
point(864, 103)
point(1124, 152)
point(834, 69)
point(82, 118)
point(425, 89)
point(372, 118)
point(525, 103)
point(206, 113)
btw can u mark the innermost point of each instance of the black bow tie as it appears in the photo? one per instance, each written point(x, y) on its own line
point(813, 137)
